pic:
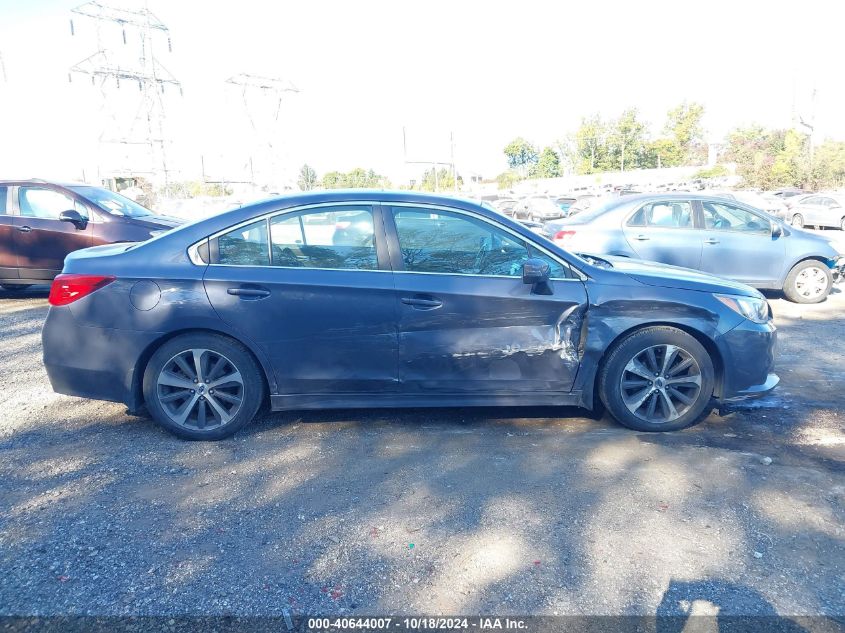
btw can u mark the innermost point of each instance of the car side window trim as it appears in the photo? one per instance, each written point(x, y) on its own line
point(387, 237)
point(214, 252)
point(577, 275)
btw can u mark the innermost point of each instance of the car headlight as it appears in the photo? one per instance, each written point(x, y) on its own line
point(751, 308)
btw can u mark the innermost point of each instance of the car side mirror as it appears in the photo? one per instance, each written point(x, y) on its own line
point(536, 272)
point(777, 230)
point(74, 217)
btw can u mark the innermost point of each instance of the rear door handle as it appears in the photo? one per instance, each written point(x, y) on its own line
point(711, 240)
point(642, 238)
point(249, 293)
point(24, 228)
point(422, 303)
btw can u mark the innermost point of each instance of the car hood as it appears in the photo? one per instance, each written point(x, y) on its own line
point(665, 276)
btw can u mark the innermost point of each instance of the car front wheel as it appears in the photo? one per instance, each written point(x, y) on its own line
point(808, 282)
point(203, 386)
point(657, 379)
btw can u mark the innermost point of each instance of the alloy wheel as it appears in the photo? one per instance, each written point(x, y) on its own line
point(811, 282)
point(200, 389)
point(660, 383)
point(798, 220)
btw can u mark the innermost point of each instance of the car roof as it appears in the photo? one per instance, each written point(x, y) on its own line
point(39, 181)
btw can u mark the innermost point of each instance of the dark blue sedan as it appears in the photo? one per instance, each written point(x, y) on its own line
point(375, 299)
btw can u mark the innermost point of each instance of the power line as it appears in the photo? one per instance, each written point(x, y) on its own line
point(112, 70)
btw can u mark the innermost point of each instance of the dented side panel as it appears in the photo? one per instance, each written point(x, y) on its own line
point(490, 334)
point(619, 308)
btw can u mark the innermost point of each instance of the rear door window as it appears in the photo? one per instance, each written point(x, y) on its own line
point(4, 193)
point(341, 238)
point(664, 214)
point(245, 246)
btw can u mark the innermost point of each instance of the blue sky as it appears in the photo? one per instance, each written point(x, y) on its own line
point(485, 71)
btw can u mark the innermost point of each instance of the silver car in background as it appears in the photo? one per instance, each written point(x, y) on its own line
point(820, 209)
point(716, 235)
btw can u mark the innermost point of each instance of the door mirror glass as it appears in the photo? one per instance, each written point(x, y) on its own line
point(73, 216)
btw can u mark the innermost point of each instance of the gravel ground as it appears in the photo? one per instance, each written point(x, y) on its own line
point(507, 511)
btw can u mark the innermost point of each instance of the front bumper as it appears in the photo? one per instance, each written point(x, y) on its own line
point(755, 391)
point(748, 361)
point(837, 271)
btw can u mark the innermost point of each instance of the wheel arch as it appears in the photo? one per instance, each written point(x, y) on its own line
point(701, 337)
point(793, 264)
point(140, 368)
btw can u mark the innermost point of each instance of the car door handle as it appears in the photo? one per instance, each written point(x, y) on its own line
point(642, 238)
point(422, 303)
point(711, 240)
point(249, 293)
point(24, 228)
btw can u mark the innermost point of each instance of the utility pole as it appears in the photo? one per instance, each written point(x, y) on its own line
point(454, 169)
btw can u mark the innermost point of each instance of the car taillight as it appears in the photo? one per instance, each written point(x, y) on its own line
point(563, 236)
point(342, 226)
point(68, 288)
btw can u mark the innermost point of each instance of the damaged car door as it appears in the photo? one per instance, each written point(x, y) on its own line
point(469, 322)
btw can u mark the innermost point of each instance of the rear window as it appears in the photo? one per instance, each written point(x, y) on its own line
point(245, 246)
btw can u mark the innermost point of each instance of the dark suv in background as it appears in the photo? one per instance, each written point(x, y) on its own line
point(41, 222)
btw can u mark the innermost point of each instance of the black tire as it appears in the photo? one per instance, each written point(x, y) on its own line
point(243, 396)
point(15, 287)
point(842, 224)
point(628, 350)
point(798, 293)
point(797, 221)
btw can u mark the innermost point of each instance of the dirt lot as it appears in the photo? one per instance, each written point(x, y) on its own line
point(513, 511)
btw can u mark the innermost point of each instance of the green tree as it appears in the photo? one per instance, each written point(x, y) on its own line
point(521, 155)
point(626, 145)
point(444, 181)
point(754, 150)
point(358, 178)
point(507, 179)
point(588, 146)
point(548, 165)
point(716, 171)
point(307, 178)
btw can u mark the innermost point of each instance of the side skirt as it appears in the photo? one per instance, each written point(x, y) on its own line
point(390, 401)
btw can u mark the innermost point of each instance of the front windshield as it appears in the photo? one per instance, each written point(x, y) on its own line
point(112, 202)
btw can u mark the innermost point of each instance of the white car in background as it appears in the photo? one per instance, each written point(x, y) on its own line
point(819, 209)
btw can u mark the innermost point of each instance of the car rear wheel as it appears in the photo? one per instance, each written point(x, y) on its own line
point(15, 287)
point(203, 386)
point(809, 281)
point(798, 221)
point(657, 379)
point(842, 224)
